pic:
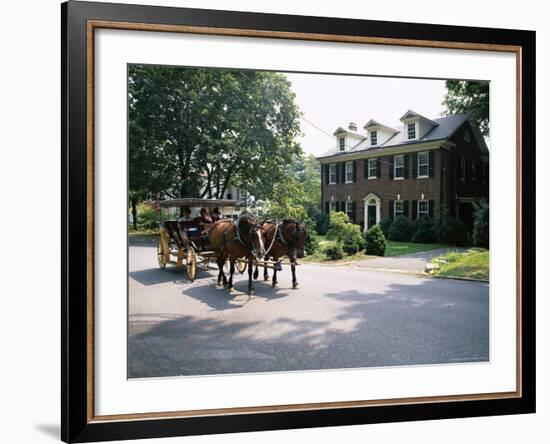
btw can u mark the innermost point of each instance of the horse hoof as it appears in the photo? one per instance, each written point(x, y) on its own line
point(266, 278)
point(295, 286)
point(251, 292)
point(275, 284)
point(230, 289)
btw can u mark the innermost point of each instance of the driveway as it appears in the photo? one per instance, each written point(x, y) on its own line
point(340, 317)
point(414, 263)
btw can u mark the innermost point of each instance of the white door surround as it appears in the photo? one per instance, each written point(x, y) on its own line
point(372, 200)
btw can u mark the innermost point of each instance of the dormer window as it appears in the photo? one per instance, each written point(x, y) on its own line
point(411, 130)
point(373, 138)
point(342, 143)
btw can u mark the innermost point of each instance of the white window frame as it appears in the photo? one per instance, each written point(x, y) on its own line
point(402, 157)
point(341, 144)
point(349, 164)
point(409, 130)
point(426, 164)
point(473, 169)
point(348, 210)
point(331, 173)
point(462, 168)
point(398, 213)
point(332, 206)
point(373, 138)
point(420, 213)
point(369, 168)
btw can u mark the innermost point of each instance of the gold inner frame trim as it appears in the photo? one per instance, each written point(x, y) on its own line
point(96, 24)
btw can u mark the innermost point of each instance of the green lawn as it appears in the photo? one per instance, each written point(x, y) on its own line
point(473, 264)
point(393, 248)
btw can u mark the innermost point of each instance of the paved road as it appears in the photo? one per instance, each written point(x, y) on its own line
point(415, 262)
point(340, 317)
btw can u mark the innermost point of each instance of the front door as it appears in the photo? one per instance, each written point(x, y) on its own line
point(371, 216)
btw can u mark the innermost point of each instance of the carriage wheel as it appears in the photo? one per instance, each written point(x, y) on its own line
point(191, 263)
point(240, 265)
point(161, 257)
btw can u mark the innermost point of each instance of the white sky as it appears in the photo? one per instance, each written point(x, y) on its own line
point(330, 101)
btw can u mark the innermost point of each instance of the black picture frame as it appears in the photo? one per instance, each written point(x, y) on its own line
point(76, 423)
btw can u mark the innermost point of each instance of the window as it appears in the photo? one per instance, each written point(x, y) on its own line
point(332, 174)
point(473, 169)
point(349, 208)
point(342, 143)
point(349, 172)
point(373, 168)
point(399, 167)
point(423, 164)
point(466, 136)
point(462, 168)
point(373, 138)
point(411, 130)
point(332, 205)
point(397, 208)
point(423, 208)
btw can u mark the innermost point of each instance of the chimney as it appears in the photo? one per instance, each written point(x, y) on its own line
point(352, 126)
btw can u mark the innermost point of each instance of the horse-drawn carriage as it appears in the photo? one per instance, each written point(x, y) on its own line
point(233, 242)
point(184, 241)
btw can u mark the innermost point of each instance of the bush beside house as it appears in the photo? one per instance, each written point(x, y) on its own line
point(480, 233)
point(375, 241)
point(401, 229)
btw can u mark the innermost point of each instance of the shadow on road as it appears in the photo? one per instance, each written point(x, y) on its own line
point(428, 322)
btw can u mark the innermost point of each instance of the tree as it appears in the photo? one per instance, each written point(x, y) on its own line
point(480, 233)
point(469, 97)
point(196, 131)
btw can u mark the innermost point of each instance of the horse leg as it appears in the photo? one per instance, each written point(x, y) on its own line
point(256, 272)
point(221, 274)
point(293, 268)
point(231, 271)
point(274, 282)
point(266, 274)
point(250, 282)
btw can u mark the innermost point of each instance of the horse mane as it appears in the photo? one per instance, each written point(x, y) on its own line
point(244, 219)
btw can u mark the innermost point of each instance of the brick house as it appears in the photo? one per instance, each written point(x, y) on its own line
point(419, 169)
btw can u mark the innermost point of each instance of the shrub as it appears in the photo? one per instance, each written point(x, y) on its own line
point(339, 221)
point(401, 229)
point(312, 242)
point(385, 226)
point(147, 217)
point(322, 222)
point(480, 233)
point(453, 231)
point(375, 241)
point(334, 252)
point(424, 230)
point(352, 241)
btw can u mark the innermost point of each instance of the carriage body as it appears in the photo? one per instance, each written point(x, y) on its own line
point(185, 243)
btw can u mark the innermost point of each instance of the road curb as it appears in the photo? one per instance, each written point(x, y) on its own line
point(459, 278)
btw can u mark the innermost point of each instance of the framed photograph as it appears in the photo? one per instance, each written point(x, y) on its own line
point(275, 221)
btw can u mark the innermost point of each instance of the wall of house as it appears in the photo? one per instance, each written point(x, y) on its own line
point(387, 189)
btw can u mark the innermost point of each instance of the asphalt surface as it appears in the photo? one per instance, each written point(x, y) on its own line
point(339, 317)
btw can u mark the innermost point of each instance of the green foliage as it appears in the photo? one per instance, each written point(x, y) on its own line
point(334, 252)
point(480, 234)
point(453, 232)
point(193, 129)
point(424, 230)
point(352, 241)
point(147, 217)
point(322, 222)
point(469, 97)
point(385, 226)
point(339, 222)
point(375, 241)
point(401, 229)
point(312, 243)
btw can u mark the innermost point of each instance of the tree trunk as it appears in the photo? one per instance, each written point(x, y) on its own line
point(134, 213)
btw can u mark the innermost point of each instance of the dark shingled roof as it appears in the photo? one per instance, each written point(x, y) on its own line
point(445, 128)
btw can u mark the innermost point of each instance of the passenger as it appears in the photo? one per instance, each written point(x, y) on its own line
point(186, 215)
point(215, 214)
point(205, 217)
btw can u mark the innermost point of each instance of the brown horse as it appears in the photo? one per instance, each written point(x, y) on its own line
point(236, 240)
point(284, 238)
